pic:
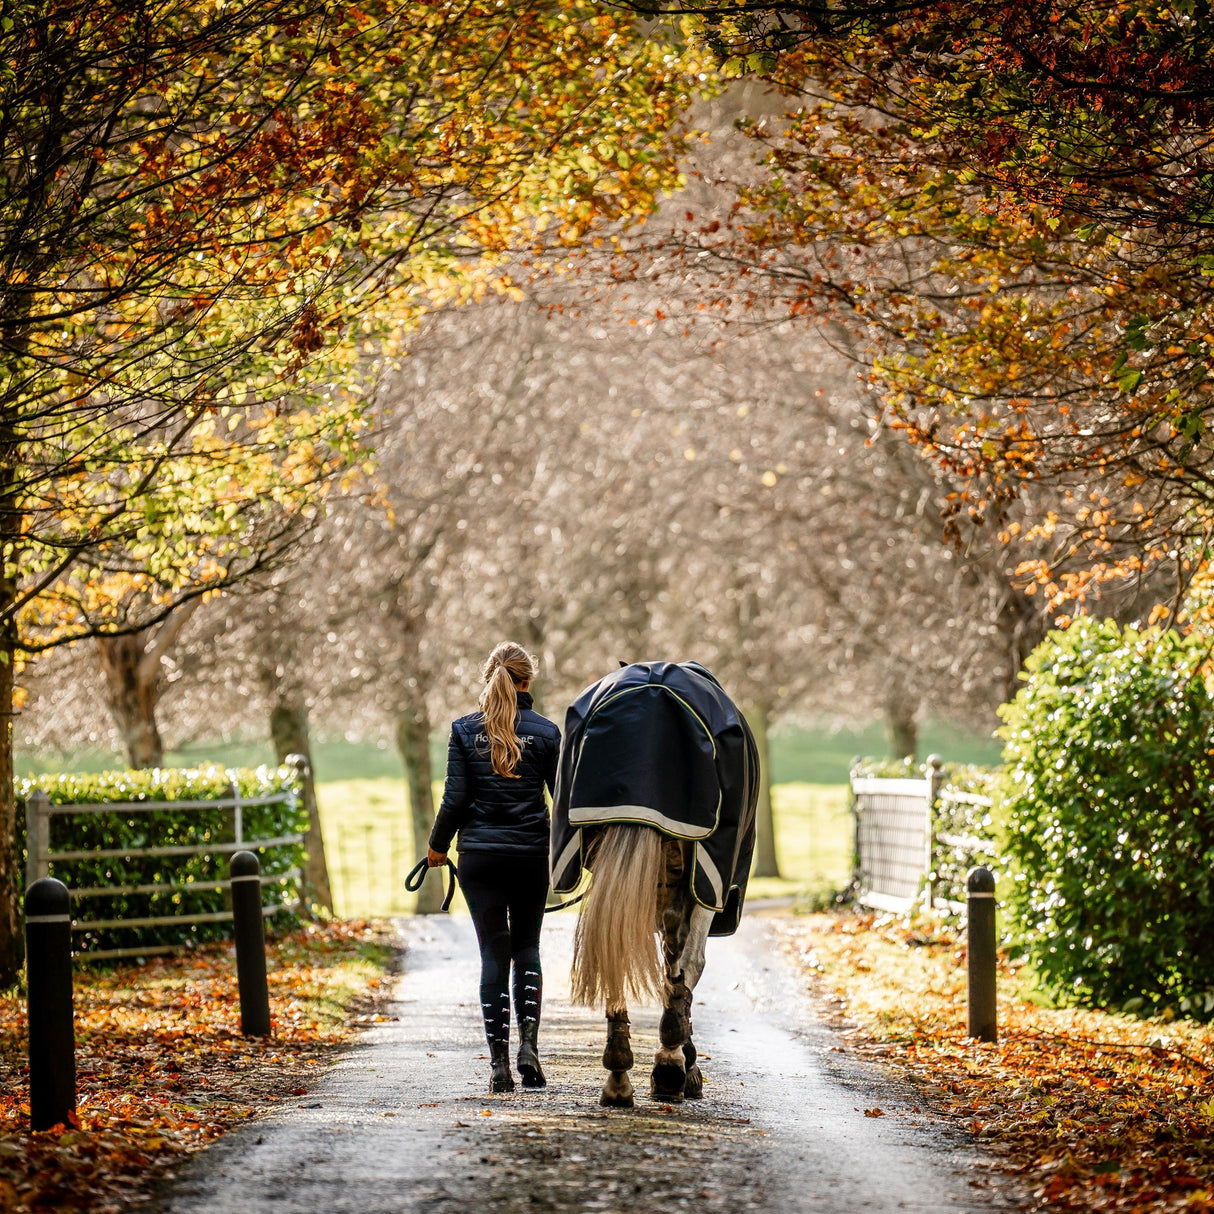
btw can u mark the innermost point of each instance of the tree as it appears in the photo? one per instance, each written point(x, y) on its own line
point(1009, 206)
point(1085, 109)
point(133, 665)
point(453, 430)
point(201, 202)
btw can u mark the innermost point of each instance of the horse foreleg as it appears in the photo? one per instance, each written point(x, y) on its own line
point(675, 1072)
point(617, 1058)
point(693, 967)
point(693, 1085)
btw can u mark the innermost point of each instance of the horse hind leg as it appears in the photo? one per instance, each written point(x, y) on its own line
point(676, 1074)
point(617, 1058)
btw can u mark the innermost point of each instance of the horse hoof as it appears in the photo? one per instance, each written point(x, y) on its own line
point(617, 1092)
point(693, 1088)
point(665, 1098)
point(667, 1081)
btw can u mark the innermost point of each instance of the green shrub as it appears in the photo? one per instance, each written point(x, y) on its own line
point(877, 768)
point(963, 834)
point(1109, 749)
point(172, 826)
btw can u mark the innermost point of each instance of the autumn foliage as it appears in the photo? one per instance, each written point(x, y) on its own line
point(162, 1069)
point(215, 219)
point(1008, 207)
point(1093, 1111)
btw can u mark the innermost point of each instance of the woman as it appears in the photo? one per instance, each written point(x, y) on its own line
point(498, 763)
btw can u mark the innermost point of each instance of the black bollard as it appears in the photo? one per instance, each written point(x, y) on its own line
point(250, 932)
point(980, 953)
point(52, 1034)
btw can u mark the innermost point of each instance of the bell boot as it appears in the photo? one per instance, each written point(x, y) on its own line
point(500, 1079)
point(529, 1055)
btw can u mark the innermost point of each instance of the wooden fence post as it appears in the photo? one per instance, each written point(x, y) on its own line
point(303, 773)
point(853, 805)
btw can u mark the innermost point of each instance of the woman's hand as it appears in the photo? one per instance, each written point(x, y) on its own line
point(435, 859)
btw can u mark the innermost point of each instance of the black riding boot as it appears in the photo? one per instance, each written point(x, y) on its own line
point(529, 1056)
point(500, 1079)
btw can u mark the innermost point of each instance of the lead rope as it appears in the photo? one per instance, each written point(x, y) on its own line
point(413, 882)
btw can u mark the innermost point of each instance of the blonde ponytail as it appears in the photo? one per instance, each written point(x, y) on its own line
point(508, 666)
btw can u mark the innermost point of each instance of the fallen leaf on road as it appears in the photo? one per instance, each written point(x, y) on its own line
point(1097, 1111)
point(874, 1112)
point(163, 1069)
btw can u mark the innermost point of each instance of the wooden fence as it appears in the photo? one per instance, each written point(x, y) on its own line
point(899, 843)
point(39, 810)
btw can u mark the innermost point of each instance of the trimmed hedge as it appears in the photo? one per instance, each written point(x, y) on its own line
point(1108, 791)
point(964, 835)
point(870, 768)
point(166, 828)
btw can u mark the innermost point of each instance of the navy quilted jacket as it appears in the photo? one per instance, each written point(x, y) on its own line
point(491, 812)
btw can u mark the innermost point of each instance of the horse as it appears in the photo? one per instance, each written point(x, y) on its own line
point(656, 797)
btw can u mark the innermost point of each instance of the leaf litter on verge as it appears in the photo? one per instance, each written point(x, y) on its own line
point(162, 1068)
point(1095, 1110)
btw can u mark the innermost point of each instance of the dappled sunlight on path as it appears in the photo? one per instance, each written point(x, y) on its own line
point(404, 1122)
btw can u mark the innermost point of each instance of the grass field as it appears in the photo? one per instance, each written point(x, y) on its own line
point(370, 847)
point(813, 754)
point(369, 842)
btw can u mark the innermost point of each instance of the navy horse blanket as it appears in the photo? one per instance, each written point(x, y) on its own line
point(660, 743)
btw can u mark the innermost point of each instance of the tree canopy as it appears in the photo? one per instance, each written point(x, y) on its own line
point(1011, 207)
point(208, 211)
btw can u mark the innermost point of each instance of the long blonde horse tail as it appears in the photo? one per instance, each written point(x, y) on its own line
point(615, 951)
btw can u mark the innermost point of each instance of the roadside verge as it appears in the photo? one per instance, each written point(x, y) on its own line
point(162, 1069)
point(1093, 1110)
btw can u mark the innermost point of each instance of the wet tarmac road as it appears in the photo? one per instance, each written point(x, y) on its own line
point(403, 1124)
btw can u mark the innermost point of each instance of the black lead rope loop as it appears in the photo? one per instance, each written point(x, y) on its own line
point(413, 882)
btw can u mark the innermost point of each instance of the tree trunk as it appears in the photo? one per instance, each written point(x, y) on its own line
point(766, 864)
point(132, 692)
point(413, 743)
point(289, 731)
point(902, 726)
point(533, 630)
point(12, 880)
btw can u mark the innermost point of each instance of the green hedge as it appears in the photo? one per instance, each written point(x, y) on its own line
point(1108, 792)
point(965, 835)
point(165, 828)
point(870, 768)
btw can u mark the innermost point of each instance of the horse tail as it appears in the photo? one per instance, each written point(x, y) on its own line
point(615, 952)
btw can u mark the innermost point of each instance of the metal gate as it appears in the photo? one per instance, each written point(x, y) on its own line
point(894, 838)
point(916, 838)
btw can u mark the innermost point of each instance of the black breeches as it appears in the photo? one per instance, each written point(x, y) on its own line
point(506, 895)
